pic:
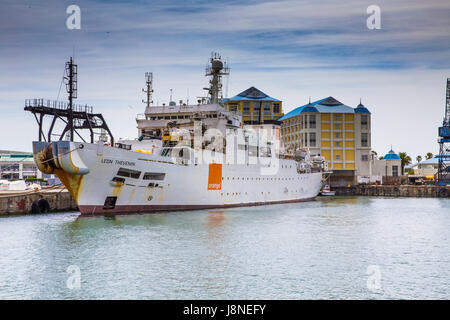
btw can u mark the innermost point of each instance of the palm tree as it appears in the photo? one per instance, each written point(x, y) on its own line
point(419, 158)
point(405, 160)
point(374, 154)
point(429, 155)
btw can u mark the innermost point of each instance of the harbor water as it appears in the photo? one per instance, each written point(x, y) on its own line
point(332, 248)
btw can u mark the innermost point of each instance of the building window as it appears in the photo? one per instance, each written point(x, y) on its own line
point(312, 139)
point(337, 117)
point(337, 135)
point(232, 107)
point(364, 120)
point(338, 157)
point(337, 144)
point(395, 171)
point(337, 126)
point(246, 107)
point(312, 121)
point(276, 108)
point(364, 157)
point(256, 107)
point(267, 107)
point(364, 139)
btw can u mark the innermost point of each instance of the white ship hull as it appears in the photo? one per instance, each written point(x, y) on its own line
point(89, 170)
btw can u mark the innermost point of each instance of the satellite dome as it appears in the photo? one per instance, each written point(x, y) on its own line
point(217, 64)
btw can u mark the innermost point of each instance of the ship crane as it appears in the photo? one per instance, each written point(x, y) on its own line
point(74, 117)
point(444, 144)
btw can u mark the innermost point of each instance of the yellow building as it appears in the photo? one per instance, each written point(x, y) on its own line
point(255, 106)
point(335, 131)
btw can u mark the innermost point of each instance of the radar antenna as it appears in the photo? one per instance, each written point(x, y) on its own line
point(149, 89)
point(215, 70)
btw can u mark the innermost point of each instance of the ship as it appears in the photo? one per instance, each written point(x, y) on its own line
point(185, 157)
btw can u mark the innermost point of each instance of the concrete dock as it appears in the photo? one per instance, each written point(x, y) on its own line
point(394, 191)
point(42, 201)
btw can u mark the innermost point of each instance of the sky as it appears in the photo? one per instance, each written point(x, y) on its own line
point(291, 50)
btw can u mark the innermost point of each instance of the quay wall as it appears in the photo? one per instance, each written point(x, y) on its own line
point(14, 203)
point(394, 191)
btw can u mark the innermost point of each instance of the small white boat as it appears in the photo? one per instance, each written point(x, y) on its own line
point(326, 191)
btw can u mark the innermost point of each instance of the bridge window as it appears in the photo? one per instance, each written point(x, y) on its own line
point(154, 176)
point(129, 173)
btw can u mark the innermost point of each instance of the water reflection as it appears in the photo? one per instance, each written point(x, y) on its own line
point(318, 249)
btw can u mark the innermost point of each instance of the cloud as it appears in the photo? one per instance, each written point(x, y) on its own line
point(290, 49)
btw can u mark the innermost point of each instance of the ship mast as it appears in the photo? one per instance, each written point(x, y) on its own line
point(216, 69)
point(149, 89)
point(71, 88)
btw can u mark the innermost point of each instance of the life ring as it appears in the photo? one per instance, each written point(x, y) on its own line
point(443, 193)
point(40, 206)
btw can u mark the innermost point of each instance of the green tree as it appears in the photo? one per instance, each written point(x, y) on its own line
point(381, 158)
point(429, 155)
point(405, 160)
point(374, 154)
point(419, 158)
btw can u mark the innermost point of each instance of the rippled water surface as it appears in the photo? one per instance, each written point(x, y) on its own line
point(325, 249)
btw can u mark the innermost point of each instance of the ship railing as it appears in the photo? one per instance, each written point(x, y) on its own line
point(55, 104)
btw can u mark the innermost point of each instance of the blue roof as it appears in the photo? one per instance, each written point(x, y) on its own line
point(361, 109)
point(251, 94)
point(434, 160)
point(391, 155)
point(326, 105)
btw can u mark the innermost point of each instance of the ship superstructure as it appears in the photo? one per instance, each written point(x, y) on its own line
point(185, 157)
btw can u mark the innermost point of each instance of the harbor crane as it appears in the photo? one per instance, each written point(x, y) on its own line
point(443, 177)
